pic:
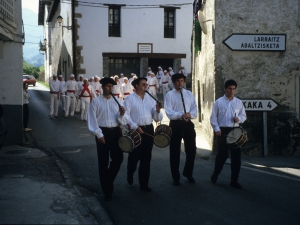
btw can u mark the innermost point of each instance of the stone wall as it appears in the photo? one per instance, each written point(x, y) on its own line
point(259, 74)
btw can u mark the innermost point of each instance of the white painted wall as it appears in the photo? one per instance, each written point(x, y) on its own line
point(138, 25)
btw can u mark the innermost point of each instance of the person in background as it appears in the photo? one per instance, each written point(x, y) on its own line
point(26, 97)
point(121, 79)
point(86, 94)
point(158, 76)
point(54, 95)
point(127, 88)
point(153, 85)
point(78, 101)
point(71, 88)
point(165, 82)
point(62, 92)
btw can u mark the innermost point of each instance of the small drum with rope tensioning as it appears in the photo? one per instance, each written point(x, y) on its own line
point(130, 140)
point(237, 137)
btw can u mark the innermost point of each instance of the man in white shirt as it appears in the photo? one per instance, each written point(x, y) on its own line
point(142, 109)
point(121, 79)
point(62, 92)
point(127, 88)
point(159, 74)
point(171, 73)
point(153, 85)
point(118, 90)
point(148, 72)
point(54, 95)
point(104, 117)
point(91, 81)
point(180, 107)
point(79, 84)
point(71, 87)
point(131, 78)
point(183, 71)
point(165, 82)
point(85, 94)
point(97, 86)
point(227, 112)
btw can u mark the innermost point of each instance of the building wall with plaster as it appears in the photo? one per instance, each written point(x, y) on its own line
point(259, 74)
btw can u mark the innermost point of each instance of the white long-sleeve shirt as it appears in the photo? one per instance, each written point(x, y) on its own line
point(118, 89)
point(71, 85)
point(97, 87)
point(165, 78)
point(127, 88)
point(85, 93)
point(54, 85)
point(62, 86)
point(159, 74)
point(26, 96)
point(183, 71)
point(152, 81)
point(141, 111)
point(171, 73)
point(174, 107)
point(104, 112)
point(224, 111)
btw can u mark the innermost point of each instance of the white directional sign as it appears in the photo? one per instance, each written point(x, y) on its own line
point(259, 104)
point(256, 42)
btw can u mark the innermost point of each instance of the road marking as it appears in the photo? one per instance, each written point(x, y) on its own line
point(273, 174)
point(71, 152)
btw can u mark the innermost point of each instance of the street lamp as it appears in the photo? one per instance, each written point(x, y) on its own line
point(60, 20)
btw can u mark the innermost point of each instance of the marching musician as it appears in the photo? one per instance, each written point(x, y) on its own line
point(85, 94)
point(142, 109)
point(227, 112)
point(54, 95)
point(180, 106)
point(71, 88)
point(78, 101)
point(127, 88)
point(104, 116)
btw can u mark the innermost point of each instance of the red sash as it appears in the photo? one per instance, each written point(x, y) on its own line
point(53, 92)
point(85, 88)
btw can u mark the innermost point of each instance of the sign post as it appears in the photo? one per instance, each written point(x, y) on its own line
point(256, 42)
point(263, 105)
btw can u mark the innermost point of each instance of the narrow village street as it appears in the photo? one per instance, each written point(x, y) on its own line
point(269, 197)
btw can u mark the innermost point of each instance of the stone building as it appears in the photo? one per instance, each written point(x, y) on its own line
point(260, 73)
point(11, 69)
point(106, 37)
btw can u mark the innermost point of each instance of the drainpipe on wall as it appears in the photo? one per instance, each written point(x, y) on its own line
point(74, 39)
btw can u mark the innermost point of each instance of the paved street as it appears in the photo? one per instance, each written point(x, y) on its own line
point(270, 195)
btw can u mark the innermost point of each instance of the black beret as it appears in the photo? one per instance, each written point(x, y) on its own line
point(107, 80)
point(136, 81)
point(177, 76)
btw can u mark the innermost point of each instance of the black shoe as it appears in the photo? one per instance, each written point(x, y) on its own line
point(130, 179)
point(213, 179)
point(176, 183)
point(146, 189)
point(107, 197)
point(190, 178)
point(236, 185)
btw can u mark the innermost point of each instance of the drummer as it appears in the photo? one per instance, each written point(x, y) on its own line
point(104, 116)
point(182, 127)
point(228, 111)
point(142, 109)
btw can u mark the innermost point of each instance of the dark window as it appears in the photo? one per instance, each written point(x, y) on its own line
point(125, 65)
point(169, 23)
point(114, 17)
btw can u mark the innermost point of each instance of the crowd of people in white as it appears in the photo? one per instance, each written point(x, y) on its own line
point(76, 96)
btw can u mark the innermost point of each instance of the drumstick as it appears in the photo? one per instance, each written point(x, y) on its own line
point(153, 97)
point(183, 102)
point(152, 136)
point(115, 99)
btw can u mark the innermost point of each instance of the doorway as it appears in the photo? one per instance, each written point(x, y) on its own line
point(163, 63)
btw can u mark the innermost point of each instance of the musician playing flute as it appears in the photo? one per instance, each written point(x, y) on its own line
point(142, 109)
point(227, 112)
point(180, 106)
point(104, 117)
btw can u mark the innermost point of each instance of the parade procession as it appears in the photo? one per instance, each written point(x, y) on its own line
point(149, 112)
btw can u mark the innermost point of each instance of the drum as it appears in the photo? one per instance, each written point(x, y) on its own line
point(129, 141)
point(162, 136)
point(237, 137)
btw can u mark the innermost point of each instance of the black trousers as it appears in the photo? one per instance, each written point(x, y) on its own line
point(185, 130)
point(25, 115)
point(142, 153)
point(108, 171)
point(222, 155)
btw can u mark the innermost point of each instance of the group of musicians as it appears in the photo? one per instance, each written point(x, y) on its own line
point(138, 112)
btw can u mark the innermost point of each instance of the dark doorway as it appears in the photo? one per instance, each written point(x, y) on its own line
point(163, 63)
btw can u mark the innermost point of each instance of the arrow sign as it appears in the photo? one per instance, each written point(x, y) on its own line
point(259, 104)
point(256, 42)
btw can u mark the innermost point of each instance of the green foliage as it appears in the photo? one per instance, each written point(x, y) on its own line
point(31, 70)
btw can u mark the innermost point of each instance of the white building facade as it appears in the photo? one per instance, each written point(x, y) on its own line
point(109, 37)
point(11, 69)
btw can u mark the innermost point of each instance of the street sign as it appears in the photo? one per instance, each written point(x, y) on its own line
point(259, 104)
point(256, 42)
